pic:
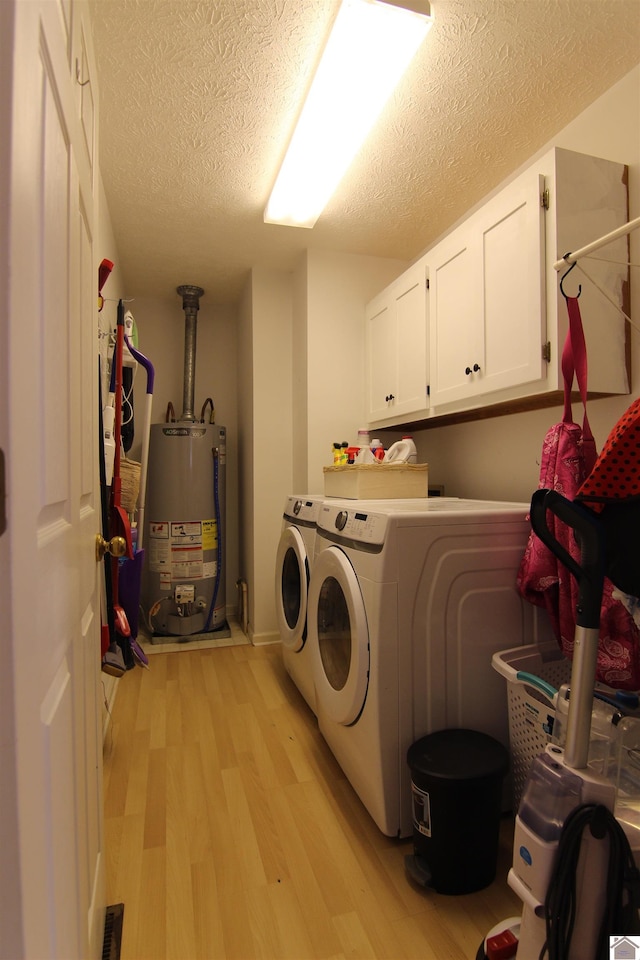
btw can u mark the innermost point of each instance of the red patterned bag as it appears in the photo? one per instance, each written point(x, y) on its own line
point(568, 458)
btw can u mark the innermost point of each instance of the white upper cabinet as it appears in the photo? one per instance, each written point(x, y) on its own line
point(487, 306)
point(492, 325)
point(397, 349)
point(498, 320)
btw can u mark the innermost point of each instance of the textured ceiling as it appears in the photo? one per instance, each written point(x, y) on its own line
point(198, 99)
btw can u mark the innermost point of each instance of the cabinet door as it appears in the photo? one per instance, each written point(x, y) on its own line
point(411, 338)
point(397, 361)
point(381, 356)
point(455, 297)
point(487, 298)
point(512, 232)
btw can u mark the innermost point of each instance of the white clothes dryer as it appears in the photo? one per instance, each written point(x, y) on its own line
point(294, 559)
point(408, 602)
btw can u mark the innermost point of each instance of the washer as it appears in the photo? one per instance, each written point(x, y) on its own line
point(294, 560)
point(408, 601)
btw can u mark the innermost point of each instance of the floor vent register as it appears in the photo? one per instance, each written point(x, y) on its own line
point(113, 932)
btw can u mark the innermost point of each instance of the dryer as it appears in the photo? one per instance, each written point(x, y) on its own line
point(294, 560)
point(408, 602)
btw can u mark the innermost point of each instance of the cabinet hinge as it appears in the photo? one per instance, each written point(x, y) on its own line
point(427, 283)
point(428, 389)
point(544, 199)
point(546, 351)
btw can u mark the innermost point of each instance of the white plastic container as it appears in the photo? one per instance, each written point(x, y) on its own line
point(402, 451)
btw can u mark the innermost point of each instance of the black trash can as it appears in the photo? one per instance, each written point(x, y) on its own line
point(456, 787)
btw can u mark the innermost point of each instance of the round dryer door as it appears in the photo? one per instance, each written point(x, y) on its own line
point(292, 588)
point(339, 637)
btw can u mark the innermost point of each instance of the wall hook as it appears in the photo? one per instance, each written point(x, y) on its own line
point(565, 275)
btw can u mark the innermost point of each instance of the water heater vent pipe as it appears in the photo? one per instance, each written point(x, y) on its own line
point(190, 304)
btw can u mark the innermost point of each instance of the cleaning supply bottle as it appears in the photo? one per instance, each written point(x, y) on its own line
point(402, 451)
point(363, 438)
point(337, 454)
point(413, 453)
point(377, 449)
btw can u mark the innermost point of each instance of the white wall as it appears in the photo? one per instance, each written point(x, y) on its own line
point(302, 337)
point(300, 376)
point(273, 449)
point(245, 443)
point(499, 458)
point(338, 287)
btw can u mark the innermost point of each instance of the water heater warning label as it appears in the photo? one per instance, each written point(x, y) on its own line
point(209, 535)
point(176, 548)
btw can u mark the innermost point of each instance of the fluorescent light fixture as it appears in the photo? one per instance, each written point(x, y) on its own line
point(368, 50)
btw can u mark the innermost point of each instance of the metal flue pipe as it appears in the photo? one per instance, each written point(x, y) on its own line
point(190, 304)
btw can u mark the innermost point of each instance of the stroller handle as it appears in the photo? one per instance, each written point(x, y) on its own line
point(589, 531)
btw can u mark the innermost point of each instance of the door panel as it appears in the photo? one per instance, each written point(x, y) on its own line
point(513, 284)
point(52, 464)
point(455, 301)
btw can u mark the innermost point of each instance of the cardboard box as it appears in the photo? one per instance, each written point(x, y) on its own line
point(377, 481)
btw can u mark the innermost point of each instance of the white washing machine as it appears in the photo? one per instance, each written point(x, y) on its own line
point(408, 601)
point(294, 561)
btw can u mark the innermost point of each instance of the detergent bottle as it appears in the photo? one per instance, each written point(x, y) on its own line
point(402, 451)
point(363, 438)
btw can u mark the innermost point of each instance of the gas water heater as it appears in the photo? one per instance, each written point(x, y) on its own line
point(185, 514)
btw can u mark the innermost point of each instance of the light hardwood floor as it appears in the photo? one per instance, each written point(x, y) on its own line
point(232, 833)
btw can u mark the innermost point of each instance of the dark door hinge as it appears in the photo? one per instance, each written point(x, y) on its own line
point(427, 283)
point(546, 351)
point(544, 199)
point(3, 495)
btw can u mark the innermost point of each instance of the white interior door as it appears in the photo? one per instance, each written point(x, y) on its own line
point(52, 619)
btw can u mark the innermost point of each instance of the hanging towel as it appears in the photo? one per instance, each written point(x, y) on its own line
point(568, 458)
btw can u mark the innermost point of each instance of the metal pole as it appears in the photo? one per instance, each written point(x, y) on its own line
point(190, 304)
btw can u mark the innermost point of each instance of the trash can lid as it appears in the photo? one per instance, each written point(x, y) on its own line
point(458, 755)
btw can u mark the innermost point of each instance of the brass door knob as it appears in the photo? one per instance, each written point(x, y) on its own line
point(116, 547)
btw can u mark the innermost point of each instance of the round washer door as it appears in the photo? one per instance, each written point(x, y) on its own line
point(292, 588)
point(339, 637)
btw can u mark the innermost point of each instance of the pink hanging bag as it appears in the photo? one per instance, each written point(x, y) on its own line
point(568, 457)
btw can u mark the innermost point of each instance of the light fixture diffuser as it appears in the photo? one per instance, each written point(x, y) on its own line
point(370, 46)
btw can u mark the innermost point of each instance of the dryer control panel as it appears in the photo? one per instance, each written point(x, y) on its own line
point(353, 523)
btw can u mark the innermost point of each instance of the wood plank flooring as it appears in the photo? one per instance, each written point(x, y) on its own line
point(232, 833)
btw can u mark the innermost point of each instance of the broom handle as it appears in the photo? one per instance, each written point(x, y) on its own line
point(146, 363)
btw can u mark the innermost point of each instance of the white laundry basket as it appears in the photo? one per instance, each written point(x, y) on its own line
point(531, 710)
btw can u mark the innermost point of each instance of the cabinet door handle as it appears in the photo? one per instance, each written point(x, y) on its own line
point(470, 370)
point(390, 397)
point(476, 367)
point(467, 370)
